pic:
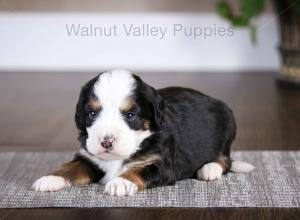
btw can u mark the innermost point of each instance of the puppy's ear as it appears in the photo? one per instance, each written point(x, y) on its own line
point(157, 108)
point(155, 102)
point(79, 114)
point(85, 93)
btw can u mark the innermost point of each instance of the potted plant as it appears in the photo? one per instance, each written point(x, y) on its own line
point(288, 14)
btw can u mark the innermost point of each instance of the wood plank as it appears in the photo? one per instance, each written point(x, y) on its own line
point(152, 213)
point(37, 110)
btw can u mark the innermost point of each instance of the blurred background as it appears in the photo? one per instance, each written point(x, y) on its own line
point(232, 50)
point(37, 36)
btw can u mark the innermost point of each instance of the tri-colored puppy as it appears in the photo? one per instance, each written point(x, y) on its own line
point(135, 137)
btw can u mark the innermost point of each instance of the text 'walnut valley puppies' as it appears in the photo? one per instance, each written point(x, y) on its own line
point(135, 137)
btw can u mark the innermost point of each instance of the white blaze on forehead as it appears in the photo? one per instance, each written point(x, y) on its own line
point(112, 88)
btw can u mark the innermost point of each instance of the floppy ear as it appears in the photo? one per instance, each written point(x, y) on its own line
point(155, 103)
point(80, 119)
point(79, 114)
point(158, 108)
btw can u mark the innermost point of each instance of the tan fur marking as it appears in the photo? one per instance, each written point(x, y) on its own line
point(144, 161)
point(94, 104)
point(222, 160)
point(133, 176)
point(127, 105)
point(75, 172)
point(146, 125)
point(136, 166)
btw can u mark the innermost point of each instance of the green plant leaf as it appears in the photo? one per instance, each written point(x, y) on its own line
point(251, 8)
point(240, 21)
point(248, 10)
point(253, 34)
point(224, 9)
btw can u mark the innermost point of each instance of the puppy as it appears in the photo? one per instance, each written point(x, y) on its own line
point(134, 137)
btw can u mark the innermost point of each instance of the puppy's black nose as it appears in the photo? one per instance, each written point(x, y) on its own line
point(107, 142)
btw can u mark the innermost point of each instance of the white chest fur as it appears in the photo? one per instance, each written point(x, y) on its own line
point(111, 168)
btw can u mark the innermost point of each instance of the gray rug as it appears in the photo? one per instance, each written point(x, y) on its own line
point(274, 183)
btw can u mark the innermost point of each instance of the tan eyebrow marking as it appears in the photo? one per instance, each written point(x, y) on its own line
point(94, 104)
point(127, 105)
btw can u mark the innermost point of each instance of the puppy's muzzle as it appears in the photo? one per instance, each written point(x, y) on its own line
point(107, 142)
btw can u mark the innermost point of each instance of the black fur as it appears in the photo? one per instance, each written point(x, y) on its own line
point(81, 115)
point(189, 130)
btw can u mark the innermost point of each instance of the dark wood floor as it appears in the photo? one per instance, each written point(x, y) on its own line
point(36, 113)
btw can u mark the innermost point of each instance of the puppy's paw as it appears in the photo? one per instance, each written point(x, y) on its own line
point(50, 183)
point(210, 171)
point(120, 187)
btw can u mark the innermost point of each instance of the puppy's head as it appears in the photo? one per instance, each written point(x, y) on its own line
point(115, 112)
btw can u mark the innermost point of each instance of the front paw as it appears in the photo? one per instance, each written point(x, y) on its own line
point(120, 187)
point(50, 183)
point(210, 171)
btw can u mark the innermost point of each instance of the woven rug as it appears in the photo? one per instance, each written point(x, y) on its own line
point(274, 183)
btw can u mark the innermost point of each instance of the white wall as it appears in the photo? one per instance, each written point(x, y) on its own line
point(40, 42)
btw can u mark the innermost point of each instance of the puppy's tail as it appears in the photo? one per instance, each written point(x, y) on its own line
point(241, 167)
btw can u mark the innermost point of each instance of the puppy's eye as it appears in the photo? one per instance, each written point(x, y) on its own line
point(129, 115)
point(92, 114)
